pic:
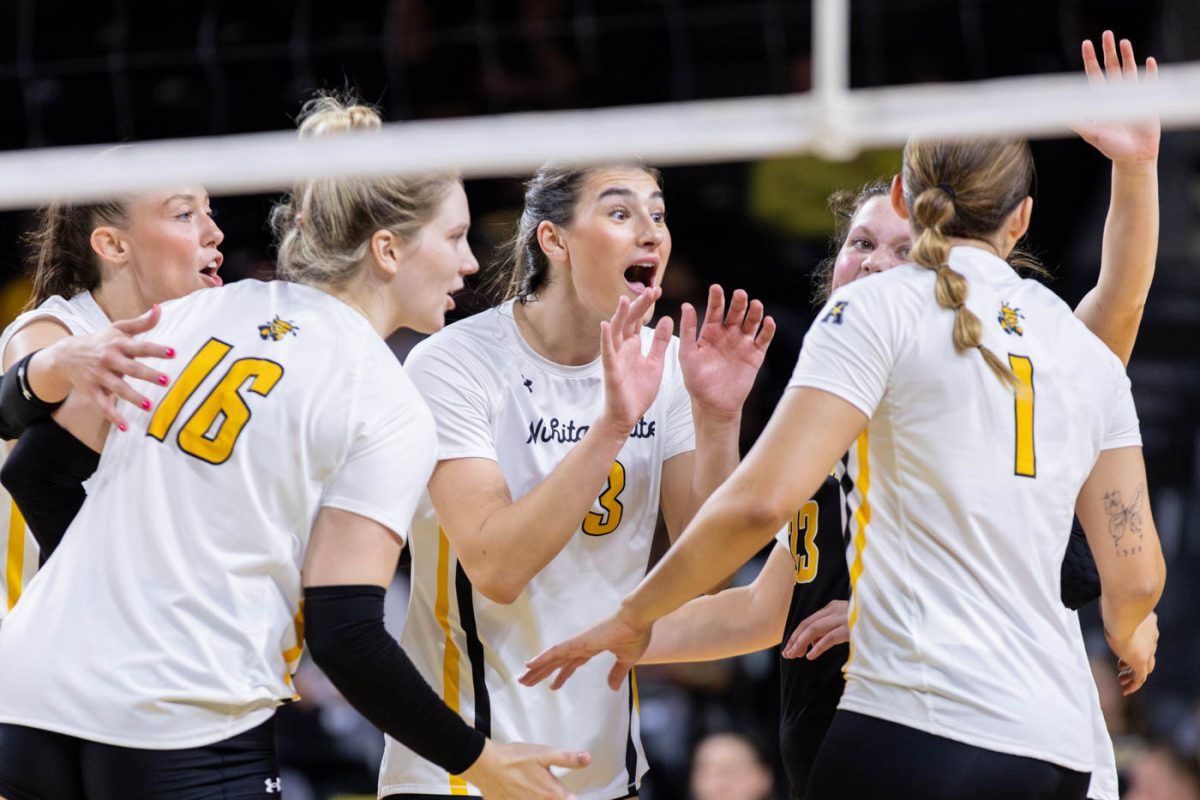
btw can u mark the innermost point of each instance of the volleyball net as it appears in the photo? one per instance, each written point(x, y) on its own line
point(832, 120)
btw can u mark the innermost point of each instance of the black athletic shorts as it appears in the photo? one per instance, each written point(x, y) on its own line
point(864, 758)
point(40, 765)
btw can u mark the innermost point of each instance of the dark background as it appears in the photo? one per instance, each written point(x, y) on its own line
point(128, 70)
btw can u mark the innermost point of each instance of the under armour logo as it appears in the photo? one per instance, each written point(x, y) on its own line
point(274, 785)
point(528, 384)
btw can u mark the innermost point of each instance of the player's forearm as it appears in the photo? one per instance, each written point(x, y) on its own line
point(1125, 604)
point(716, 458)
point(1113, 310)
point(716, 626)
point(726, 532)
point(517, 541)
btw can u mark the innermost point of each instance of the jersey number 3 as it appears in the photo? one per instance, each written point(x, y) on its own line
point(609, 501)
point(214, 427)
point(802, 535)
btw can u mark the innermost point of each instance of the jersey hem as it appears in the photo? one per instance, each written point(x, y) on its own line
point(157, 743)
point(364, 510)
point(836, 388)
point(1120, 443)
point(973, 739)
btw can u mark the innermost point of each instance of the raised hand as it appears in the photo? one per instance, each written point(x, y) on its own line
point(820, 631)
point(522, 771)
point(720, 364)
point(96, 365)
point(1119, 141)
point(614, 634)
point(631, 380)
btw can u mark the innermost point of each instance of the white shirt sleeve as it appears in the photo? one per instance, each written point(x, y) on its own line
point(452, 384)
point(849, 350)
point(679, 435)
point(391, 455)
point(1123, 429)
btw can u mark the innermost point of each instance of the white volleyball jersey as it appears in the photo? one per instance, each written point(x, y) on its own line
point(169, 617)
point(961, 497)
point(18, 548)
point(494, 397)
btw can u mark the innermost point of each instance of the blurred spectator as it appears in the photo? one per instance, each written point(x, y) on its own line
point(1164, 773)
point(730, 766)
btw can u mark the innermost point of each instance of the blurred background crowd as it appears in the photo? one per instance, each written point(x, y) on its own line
point(126, 70)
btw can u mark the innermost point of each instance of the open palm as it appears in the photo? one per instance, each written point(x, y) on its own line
point(614, 634)
point(1119, 141)
point(719, 365)
point(631, 379)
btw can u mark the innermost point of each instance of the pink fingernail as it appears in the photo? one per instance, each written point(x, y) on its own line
point(122, 426)
point(162, 380)
point(170, 352)
point(145, 405)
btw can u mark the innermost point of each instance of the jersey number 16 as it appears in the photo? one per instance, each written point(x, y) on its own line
point(214, 427)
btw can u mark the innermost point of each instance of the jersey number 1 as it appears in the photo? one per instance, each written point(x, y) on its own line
point(214, 427)
point(1026, 459)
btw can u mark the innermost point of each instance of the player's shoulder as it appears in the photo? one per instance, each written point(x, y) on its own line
point(904, 291)
point(477, 340)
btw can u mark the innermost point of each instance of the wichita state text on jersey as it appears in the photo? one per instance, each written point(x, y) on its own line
point(495, 398)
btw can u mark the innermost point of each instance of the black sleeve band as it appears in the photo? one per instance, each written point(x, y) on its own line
point(1080, 578)
point(19, 406)
point(344, 629)
point(44, 473)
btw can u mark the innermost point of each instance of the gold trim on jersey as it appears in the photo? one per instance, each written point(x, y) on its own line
point(862, 518)
point(291, 656)
point(452, 657)
point(14, 568)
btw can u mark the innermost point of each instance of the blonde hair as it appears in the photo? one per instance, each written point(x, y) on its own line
point(963, 189)
point(323, 227)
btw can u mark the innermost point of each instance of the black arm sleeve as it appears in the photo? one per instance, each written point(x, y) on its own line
point(344, 629)
point(1080, 578)
point(19, 406)
point(44, 473)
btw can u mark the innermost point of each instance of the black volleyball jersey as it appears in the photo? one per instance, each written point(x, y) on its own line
point(810, 690)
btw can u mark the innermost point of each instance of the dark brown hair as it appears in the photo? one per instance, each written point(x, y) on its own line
point(551, 195)
point(60, 256)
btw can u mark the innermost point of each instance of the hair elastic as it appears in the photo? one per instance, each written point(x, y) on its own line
point(948, 189)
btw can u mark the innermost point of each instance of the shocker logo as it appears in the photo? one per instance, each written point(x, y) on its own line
point(1010, 319)
point(276, 329)
point(835, 313)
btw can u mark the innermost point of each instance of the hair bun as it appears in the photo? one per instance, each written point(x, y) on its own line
point(330, 113)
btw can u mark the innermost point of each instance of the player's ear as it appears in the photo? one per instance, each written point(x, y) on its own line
point(898, 197)
point(385, 250)
point(108, 243)
point(551, 239)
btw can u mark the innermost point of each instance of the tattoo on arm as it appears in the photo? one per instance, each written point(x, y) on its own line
point(1125, 520)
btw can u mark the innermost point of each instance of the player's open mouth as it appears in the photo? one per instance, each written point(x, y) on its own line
point(640, 276)
point(209, 271)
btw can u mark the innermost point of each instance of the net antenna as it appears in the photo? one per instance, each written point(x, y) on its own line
point(833, 121)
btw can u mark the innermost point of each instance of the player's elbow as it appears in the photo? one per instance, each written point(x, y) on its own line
point(495, 582)
point(1140, 589)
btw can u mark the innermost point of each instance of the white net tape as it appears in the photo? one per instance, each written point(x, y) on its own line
point(830, 123)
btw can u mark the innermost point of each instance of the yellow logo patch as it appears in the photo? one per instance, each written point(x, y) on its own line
point(277, 328)
point(1010, 319)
